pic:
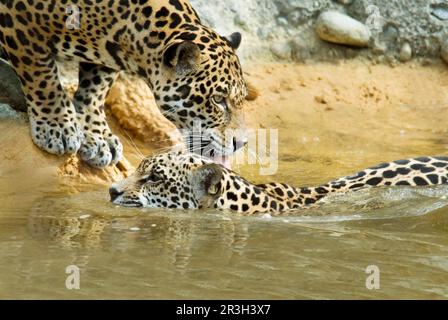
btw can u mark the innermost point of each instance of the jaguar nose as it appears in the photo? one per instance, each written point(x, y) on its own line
point(239, 144)
point(114, 194)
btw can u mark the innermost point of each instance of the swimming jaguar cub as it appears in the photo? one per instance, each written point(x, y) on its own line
point(189, 181)
point(194, 73)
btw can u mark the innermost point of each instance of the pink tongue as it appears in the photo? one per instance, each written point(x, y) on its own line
point(223, 160)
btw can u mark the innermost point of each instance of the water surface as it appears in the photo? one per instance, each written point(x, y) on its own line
point(158, 254)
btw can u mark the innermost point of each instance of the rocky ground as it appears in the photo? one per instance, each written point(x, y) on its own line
point(382, 30)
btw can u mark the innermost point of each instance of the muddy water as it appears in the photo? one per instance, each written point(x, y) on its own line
point(317, 253)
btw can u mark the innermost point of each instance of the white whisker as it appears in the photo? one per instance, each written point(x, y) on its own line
point(139, 153)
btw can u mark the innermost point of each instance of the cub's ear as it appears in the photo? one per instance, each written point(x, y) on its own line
point(184, 57)
point(234, 40)
point(206, 181)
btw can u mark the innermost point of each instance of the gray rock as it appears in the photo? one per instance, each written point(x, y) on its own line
point(336, 27)
point(265, 22)
point(390, 34)
point(239, 21)
point(282, 50)
point(440, 11)
point(300, 50)
point(444, 51)
point(405, 53)
point(298, 17)
point(282, 21)
point(345, 2)
point(391, 60)
point(379, 47)
point(6, 112)
point(422, 23)
point(10, 87)
point(263, 33)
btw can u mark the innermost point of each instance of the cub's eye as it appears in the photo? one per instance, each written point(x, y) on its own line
point(213, 190)
point(152, 178)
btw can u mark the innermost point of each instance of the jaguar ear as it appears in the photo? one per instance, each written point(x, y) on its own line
point(206, 181)
point(234, 40)
point(184, 57)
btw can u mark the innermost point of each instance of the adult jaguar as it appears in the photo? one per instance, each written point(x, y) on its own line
point(193, 72)
point(189, 181)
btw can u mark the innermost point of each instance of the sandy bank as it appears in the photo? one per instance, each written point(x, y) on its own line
point(337, 118)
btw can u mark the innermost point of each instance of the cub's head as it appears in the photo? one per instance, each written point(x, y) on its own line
point(171, 180)
point(200, 88)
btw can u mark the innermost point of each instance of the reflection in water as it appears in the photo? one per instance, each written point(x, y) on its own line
point(81, 227)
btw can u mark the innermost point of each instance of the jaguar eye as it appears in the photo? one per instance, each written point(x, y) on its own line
point(220, 101)
point(152, 178)
point(213, 190)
